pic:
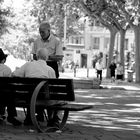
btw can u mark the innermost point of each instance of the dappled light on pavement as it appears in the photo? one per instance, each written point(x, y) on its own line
point(115, 116)
point(112, 109)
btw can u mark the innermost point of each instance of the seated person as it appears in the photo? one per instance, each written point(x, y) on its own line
point(39, 69)
point(5, 71)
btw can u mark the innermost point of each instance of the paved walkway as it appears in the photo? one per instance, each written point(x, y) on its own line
point(115, 116)
point(106, 83)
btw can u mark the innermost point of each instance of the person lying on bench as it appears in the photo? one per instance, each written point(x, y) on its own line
point(38, 69)
point(5, 71)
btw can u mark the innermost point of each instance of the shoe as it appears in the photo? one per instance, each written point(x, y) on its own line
point(52, 129)
point(54, 122)
point(14, 121)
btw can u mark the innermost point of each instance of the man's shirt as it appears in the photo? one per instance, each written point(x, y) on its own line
point(119, 70)
point(37, 68)
point(53, 45)
point(5, 71)
point(99, 66)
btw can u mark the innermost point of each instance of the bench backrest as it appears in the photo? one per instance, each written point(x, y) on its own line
point(60, 89)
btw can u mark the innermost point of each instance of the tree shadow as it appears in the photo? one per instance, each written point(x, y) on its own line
point(115, 115)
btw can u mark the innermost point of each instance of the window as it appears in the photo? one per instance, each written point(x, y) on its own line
point(77, 40)
point(95, 42)
point(106, 43)
point(126, 44)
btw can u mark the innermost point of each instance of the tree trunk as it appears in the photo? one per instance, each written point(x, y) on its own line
point(122, 41)
point(113, 32)
point(137, 53)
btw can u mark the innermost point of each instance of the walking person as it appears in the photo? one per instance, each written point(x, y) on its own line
point(51, 43)
point(112, 68)
point(99, 68)
point(119, 71)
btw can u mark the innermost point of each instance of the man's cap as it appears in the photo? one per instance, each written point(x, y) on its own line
point(45, 24)
point(2, 55)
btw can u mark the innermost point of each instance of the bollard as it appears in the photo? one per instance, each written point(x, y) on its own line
point(74, 71)
point(87, 72)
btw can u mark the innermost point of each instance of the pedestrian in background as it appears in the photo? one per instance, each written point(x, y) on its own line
point(119, 71)
point(99, 68)
point(112, 68)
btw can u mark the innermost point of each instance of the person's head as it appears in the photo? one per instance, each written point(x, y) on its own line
point(2, 56)
point(42, 54)
point(44, 30)
point(113, 61)
point(119, 63)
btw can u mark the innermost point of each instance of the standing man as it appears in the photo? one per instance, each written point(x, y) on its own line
point(99, 68)
point(51, 43)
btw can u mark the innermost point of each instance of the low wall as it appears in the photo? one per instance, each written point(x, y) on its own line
point(87, 84)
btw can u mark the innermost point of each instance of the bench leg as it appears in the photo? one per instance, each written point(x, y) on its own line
point(64, 119)
point(42, 126)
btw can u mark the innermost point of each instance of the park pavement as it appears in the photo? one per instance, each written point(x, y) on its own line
point(115, 116)
point(124, 85)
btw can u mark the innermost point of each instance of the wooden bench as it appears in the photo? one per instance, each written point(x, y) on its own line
point(34, 92)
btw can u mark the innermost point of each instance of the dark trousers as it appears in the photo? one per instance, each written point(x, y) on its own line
point(54, 65)
point(9, 103)
point(99, 74)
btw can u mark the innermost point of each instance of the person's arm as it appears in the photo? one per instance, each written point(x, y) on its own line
point(56, 57)
point(20, 72)
point(58, 52)
point(34, 49)
point(34, 57)
point(7, 72)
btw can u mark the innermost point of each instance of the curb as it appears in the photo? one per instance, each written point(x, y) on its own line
point(112, 88)
point(95, 84)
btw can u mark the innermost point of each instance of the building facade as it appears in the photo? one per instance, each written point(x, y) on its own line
point(84, 49)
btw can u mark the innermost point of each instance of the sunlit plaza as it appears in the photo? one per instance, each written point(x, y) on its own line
point(88, 31)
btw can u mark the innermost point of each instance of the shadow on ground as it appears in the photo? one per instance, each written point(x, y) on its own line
point(115, 116)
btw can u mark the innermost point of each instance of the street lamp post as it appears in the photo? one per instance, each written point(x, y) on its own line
point(65, 25)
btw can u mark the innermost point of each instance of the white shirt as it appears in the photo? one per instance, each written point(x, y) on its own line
point(53, 45)
point(5, 71)
point(99, 66)
point(37, 68)
point(119, 70)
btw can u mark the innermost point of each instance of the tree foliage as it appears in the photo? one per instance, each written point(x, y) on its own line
point(4, 14)
point(55, 11)
point(131, 11)
point(25, 22)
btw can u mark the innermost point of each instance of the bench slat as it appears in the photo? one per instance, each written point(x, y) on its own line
point(72, 107)
point(21, 86)
point(38, 92)
point(64, 106)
